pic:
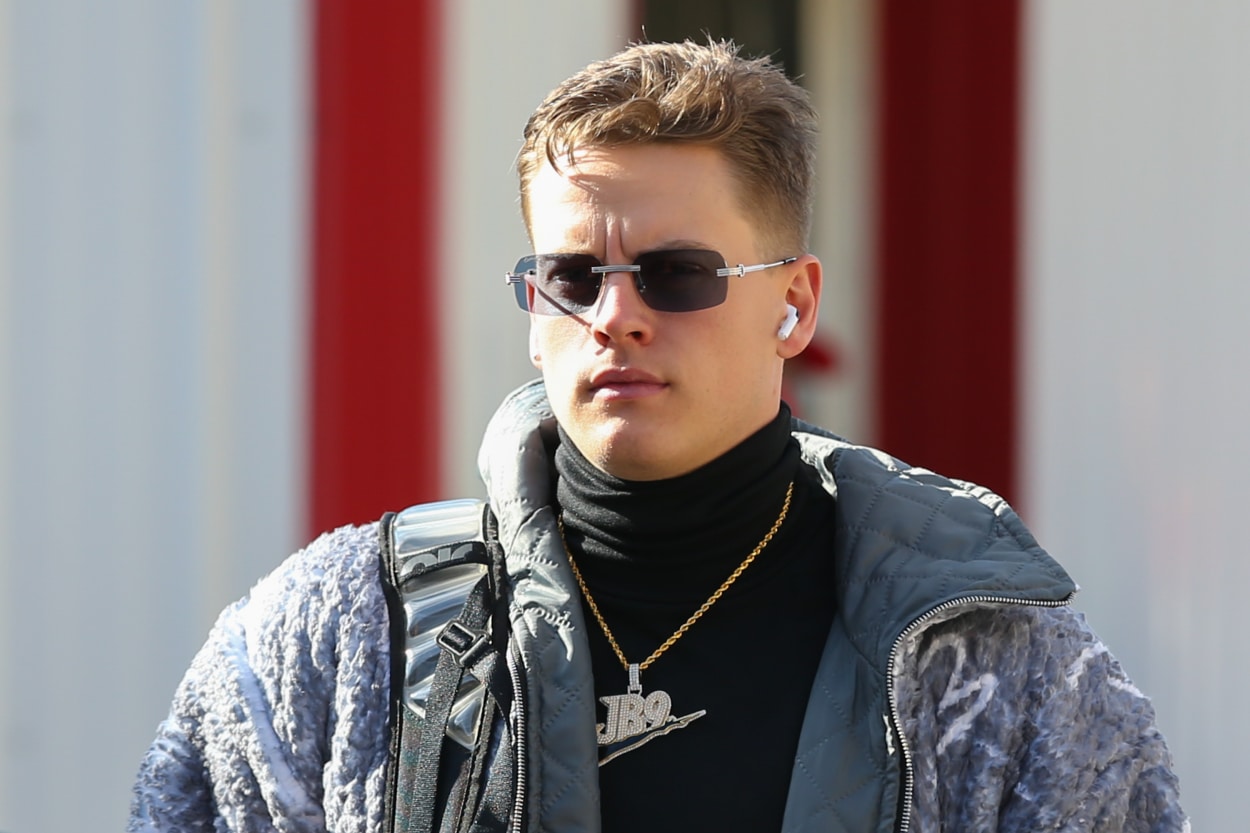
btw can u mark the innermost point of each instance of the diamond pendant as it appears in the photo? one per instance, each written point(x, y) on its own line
point(634, 719)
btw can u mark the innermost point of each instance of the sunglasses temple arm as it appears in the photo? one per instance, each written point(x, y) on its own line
point(740, 270)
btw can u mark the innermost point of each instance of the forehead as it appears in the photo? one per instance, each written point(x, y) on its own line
point(637, 196)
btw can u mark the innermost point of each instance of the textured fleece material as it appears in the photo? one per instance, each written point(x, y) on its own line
point(281, 721)
point(1015, 718)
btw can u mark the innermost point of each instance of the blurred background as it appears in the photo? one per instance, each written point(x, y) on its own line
point(251, 260)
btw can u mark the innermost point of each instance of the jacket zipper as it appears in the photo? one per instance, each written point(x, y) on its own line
point(894, 721)
point(520, 729)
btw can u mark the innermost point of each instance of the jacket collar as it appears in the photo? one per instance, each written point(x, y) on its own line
point(908, 539)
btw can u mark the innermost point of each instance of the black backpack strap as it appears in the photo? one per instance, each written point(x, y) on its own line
point(496, 798)
point(463, 640)
point(440, 579)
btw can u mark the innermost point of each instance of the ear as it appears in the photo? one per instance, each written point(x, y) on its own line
point(803, 292)
point(536, 356)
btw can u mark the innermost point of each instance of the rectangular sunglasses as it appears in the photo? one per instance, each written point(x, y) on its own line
point(672, 280)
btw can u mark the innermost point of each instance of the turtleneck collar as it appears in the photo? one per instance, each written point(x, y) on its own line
point(706, 519)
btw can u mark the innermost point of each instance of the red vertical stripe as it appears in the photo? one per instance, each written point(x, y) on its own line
point(374, 350)
point(946, 249)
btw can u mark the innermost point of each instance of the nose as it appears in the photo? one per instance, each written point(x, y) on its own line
point(619, 313)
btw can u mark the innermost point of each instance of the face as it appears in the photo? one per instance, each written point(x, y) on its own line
point(646, 394)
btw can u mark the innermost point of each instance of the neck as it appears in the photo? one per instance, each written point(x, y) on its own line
point(698, 522)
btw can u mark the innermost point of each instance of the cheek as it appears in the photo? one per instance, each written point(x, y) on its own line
point(554, 347)
point(547, 337)
point(747, 350)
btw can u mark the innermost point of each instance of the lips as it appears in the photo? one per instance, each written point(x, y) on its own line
point(625, 383)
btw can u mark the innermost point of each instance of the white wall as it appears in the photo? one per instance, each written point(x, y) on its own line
point(1138, 394)
point(502, 59)
point(837, 41)
point(152, 172)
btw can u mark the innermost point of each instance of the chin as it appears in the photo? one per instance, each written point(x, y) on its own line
point(640, 462)
point(624, 454)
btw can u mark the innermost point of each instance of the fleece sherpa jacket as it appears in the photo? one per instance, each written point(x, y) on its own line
point(957, 691)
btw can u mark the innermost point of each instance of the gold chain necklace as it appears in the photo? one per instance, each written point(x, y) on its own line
point(631, 715)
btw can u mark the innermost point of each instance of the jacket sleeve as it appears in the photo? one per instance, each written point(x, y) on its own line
point(1022, 720)
point(281, 721)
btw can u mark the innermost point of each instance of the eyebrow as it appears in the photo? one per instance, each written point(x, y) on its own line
point(681, 244)
point(662, 246)
point(672, 245)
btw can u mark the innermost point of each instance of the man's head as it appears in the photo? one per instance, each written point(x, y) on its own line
point(691, 93)
point(667, 164)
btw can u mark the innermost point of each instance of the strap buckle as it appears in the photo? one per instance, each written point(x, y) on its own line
point(465, 644)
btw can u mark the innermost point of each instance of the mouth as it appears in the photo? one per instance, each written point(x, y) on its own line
point(625, 383)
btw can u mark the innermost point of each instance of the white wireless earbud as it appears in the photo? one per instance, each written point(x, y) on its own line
point(787, 326)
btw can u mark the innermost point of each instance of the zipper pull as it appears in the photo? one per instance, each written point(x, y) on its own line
point(889, 736)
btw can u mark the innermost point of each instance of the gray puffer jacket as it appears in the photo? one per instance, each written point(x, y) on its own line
point(957, 690)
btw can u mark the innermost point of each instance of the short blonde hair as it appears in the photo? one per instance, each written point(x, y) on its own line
point(706, 94)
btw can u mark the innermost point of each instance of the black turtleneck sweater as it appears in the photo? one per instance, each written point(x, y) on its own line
point(651, 553)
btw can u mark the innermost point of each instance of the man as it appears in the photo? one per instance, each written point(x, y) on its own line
point(694, 612)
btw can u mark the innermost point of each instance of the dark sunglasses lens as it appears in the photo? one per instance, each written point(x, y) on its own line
point(678, 280)
point(563, 283)
point(681, 280)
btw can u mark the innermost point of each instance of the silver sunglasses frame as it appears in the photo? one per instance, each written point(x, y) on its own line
point(738, 271)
